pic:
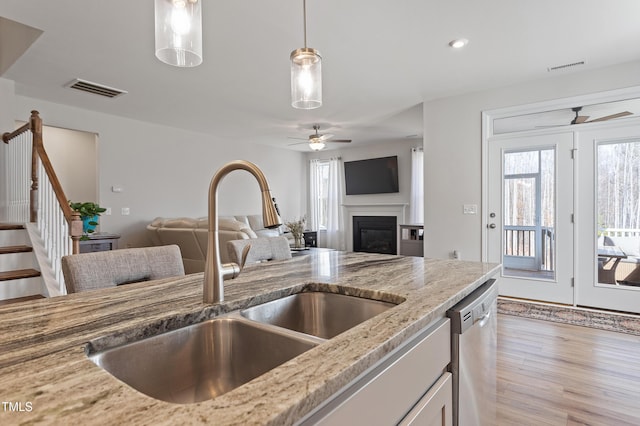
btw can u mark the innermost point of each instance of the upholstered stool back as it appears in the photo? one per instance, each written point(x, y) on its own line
point(267, 248)
point(91, 271)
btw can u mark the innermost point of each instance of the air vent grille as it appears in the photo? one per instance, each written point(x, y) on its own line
point(565, 66)
point(95, 88)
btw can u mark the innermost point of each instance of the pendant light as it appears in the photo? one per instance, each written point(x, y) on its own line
point(179, 32)
point(306, 73)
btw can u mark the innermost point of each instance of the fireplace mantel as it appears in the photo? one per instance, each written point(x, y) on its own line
point(403, 205)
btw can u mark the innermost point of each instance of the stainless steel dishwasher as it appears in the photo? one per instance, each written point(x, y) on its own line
point(473, 356)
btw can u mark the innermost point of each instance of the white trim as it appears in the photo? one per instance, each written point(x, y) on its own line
point(487, 134)
point(593, 98)
point(50, 286)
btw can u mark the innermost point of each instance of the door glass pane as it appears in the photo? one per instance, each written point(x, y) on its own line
point(529, 214)
point(618, 208)
point(517, 163)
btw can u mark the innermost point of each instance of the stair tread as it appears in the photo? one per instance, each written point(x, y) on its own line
point(21, 299)
point(15, 249)
point(18, 274)
point(10, 226)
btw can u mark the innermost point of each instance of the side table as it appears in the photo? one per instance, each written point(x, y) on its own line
point(99, 241)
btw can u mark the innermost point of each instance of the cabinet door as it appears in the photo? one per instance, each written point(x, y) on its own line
point(435, 407)
point(385, 393)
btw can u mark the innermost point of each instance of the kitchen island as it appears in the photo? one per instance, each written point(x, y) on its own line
point(46, 376)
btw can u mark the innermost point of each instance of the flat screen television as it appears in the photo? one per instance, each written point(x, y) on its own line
point(372, 176)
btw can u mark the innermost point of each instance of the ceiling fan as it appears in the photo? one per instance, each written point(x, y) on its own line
point(317, 140)
point(579, 119)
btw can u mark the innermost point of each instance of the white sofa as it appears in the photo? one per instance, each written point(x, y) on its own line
point(191, 235)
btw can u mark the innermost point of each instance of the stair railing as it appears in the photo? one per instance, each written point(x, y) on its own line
point(35, 195)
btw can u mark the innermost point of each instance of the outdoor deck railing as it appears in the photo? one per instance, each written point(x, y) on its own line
point(520, 241)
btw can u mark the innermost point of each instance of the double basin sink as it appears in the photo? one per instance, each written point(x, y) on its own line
point(207, 359)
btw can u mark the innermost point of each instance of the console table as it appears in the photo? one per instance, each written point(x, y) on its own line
point(99, 241)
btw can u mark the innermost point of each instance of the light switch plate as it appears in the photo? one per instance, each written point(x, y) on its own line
point(125, 211)
point(470, 209)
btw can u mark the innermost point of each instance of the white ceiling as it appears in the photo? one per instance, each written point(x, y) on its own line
point(381, 59)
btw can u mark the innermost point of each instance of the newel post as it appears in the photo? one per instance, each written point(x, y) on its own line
point(75, 230)
point(35, 124)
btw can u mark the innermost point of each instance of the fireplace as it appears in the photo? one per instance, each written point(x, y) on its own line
point(375, 234)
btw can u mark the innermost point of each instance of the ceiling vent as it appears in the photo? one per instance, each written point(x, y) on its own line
point(565, 66)
point(95, 88)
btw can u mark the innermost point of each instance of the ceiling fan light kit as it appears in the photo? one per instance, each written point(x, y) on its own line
point(178, 25)
point(317, 140)
point(317, 145)
point(306, 73)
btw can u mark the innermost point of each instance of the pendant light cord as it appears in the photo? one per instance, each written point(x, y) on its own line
point(304, 13)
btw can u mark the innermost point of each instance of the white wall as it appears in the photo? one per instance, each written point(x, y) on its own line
point(452, 136)
point(166, 171)
point(74, 157)
point(7, 124)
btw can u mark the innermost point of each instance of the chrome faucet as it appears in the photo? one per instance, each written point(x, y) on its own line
point(214, 271)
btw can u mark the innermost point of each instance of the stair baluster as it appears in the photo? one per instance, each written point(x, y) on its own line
point(35, 195)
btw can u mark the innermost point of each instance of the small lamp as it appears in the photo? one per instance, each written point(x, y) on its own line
point(179, 32)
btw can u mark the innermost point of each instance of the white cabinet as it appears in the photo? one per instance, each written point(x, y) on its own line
point(395, 387)
point(435, 408)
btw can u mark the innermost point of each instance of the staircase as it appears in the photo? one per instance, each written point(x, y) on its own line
point(19, 280)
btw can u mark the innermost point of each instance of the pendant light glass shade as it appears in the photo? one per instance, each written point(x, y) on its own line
point(179, 32)
point(306, 78)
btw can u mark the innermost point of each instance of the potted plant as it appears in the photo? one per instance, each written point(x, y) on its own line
point(89, 213)
point(296, 228)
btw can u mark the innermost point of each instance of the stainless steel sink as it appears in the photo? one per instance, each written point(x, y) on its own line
point(200, 361)
point(319, 314)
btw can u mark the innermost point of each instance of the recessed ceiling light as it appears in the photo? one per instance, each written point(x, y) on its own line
point(458, 43)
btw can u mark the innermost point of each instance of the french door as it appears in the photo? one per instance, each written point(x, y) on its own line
point(530, 215)
point(608, 250)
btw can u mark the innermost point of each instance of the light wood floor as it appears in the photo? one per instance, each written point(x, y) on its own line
point(560, 374)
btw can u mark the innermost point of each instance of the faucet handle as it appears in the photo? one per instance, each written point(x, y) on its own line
point(245, 254)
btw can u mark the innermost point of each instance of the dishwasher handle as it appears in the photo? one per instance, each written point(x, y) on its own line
point(485, 319)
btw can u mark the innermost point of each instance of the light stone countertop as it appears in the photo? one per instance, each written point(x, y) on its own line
point(43, 365)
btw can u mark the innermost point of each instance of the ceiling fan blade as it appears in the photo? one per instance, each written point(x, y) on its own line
point(298, 143)
point(611, 117)
point(581, 119)
point(324, 137)
point(340, 140)
point(297, 139)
